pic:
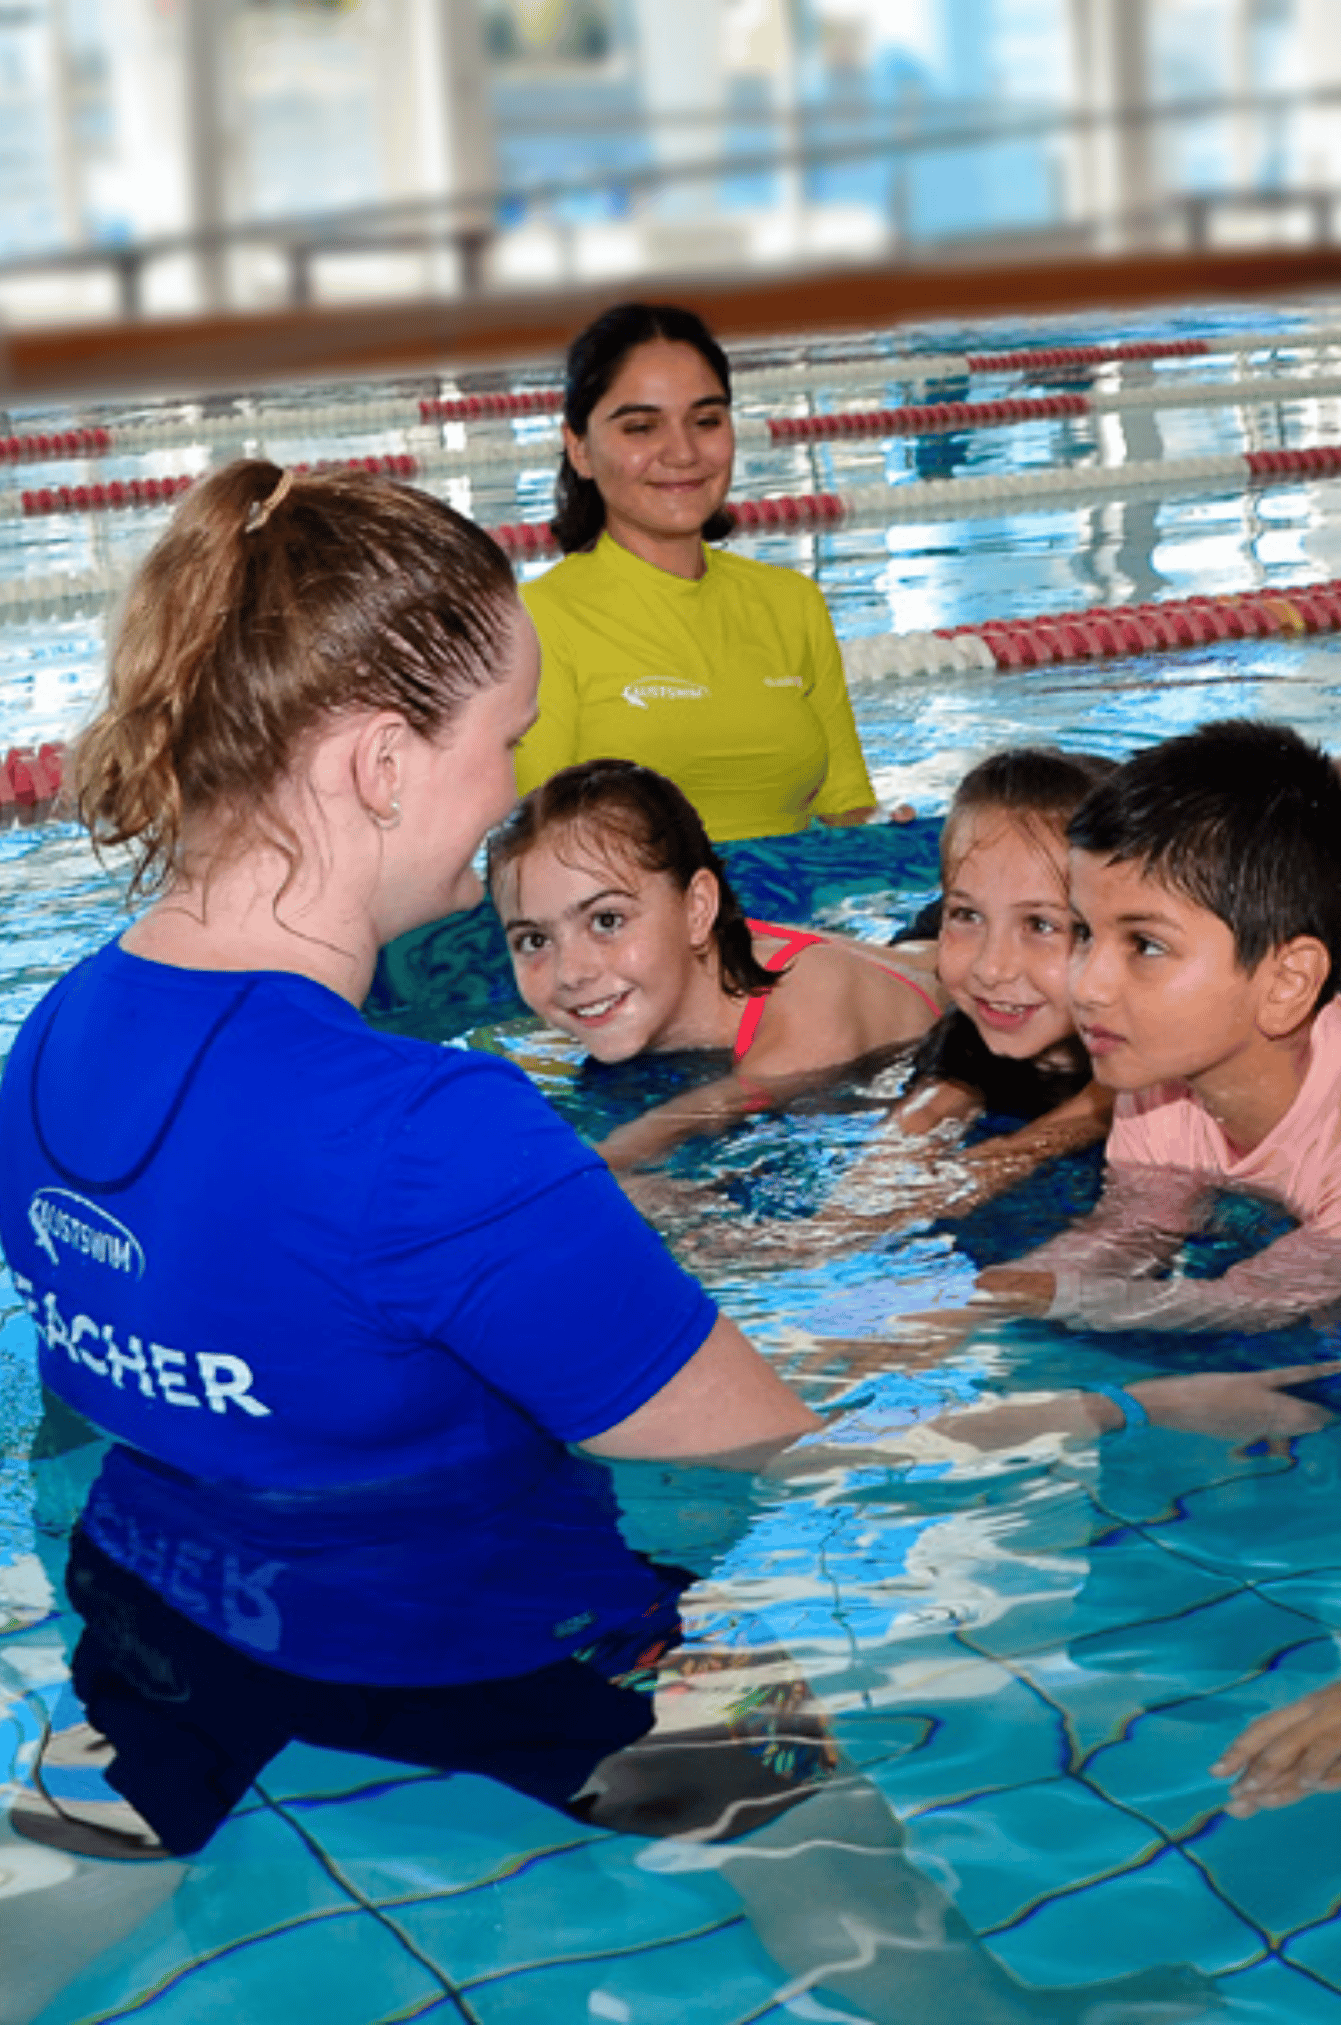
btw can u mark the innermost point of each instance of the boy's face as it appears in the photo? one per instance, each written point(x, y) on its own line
point(1159, 994)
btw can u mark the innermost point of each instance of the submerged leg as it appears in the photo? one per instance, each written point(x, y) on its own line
point(59, 1912)
point(817, 1858)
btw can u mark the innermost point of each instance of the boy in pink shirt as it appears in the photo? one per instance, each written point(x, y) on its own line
point(1206, 884)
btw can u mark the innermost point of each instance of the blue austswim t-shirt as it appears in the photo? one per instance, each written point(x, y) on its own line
point(263, 1244)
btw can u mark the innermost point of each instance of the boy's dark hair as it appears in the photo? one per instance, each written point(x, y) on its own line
point(615, 802)
point(1024, 782)
point(594, 359)
point(1241, 818)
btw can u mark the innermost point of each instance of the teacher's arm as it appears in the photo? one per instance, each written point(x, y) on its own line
point(727, 1400)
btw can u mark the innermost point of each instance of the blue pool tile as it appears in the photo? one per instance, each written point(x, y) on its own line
point(1278, 1867)
point(1316, 1592)
point(304, 1772)
point(1126, 1579)
point(715, 1978)
point(1274, 1993)
point(592, 1900)
point(1196, 1651)
point(1163, 1765)
point(439, 1835)
point(998, 1736)
point(342, 1972)
point(1010, 1851)
point(1097, 1706)
point(257, 1895)
point(1319, 1950)
point(1161, 1915)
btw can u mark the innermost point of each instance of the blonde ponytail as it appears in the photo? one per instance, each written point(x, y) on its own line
point(276, 600)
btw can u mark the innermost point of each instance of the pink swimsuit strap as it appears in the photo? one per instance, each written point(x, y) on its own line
point(793, 941)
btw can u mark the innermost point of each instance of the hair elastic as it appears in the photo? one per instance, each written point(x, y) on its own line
point(260, 510)
point(1131, 1409)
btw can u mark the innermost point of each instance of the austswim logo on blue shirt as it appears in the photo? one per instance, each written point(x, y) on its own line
point(62, 1219)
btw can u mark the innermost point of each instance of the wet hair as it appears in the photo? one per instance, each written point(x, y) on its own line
point(594, 360)
point(621, 806)
point(1031, 785)
point(1242, 818)
point(275, 602)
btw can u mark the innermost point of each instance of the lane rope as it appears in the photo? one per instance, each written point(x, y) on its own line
point(31, 779)
point(253, 421)
point(913, 499)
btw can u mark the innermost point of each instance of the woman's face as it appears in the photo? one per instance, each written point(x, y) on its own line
point(1005, 940)
point(606, 951)
point(659, 446)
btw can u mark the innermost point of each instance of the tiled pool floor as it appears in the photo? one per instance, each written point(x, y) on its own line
point(1037, 1689)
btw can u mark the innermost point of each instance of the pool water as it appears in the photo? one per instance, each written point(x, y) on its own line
point(1032, 1659)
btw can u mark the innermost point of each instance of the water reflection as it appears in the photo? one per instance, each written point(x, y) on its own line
point(530, 1644)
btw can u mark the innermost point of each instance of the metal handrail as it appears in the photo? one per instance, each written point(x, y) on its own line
point(466, 222)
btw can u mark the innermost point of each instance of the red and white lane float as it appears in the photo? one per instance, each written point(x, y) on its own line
point(483, 446)
point(930, 499)
point(914, 499)
point(138, 492)
point(939, 417)
point(1102, 632)
point(30, 782)
point(247, 420)
point(31, 777)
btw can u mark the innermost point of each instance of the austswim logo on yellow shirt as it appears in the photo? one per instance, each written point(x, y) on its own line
point(667, 690)
point(730, 683)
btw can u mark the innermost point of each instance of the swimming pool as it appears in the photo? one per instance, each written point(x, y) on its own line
point(1034, 1660)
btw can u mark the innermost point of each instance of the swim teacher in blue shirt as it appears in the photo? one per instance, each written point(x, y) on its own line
point(278, 1255)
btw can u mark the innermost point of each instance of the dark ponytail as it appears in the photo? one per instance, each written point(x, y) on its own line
point(594, 359)
point(615, 800)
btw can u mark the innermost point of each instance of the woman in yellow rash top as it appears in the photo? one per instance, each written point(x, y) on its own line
point(717, 670)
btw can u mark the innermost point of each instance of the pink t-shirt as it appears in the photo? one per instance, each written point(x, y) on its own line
point(1299, 1162)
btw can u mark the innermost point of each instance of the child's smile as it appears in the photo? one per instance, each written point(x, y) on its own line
point(610, 953)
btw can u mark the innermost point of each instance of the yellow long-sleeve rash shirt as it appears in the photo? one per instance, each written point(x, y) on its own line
point(731, 684)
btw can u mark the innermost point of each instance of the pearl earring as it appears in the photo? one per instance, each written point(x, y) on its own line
point(390, 821)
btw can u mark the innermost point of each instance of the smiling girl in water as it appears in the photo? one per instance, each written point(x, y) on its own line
point(1008, 1045)
point(624, 933)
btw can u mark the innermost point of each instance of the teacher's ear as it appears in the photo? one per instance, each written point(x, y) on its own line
point(377, 765)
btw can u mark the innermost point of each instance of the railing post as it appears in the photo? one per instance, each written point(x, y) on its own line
point(300, 274)
point(129, 264)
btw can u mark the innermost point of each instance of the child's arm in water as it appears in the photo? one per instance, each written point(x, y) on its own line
point(835, 1011)
point(959, 1180)
point(896, 1184)
point(713, 1107)
point(1109, 1271)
